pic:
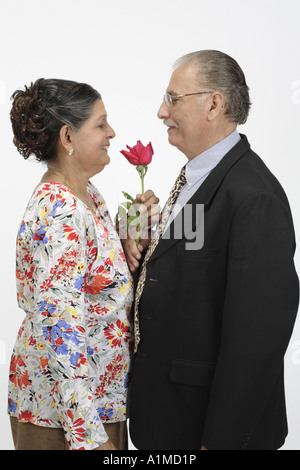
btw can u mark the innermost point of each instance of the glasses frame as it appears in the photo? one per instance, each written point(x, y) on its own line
point(168, 99)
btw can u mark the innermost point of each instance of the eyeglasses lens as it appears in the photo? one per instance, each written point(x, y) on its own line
point(168, 99)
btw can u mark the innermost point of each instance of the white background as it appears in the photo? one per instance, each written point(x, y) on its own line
point(125, 49)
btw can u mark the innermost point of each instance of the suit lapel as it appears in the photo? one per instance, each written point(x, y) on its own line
point(206, 192)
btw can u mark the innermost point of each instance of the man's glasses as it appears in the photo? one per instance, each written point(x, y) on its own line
point(171, 99)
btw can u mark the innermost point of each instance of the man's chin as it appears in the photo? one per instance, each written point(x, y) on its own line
point(172, 136)
point(173, 141)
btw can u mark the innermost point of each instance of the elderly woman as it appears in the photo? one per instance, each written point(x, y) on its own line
point(69, 369)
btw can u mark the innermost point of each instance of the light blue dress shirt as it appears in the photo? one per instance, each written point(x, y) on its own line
point(198, 169)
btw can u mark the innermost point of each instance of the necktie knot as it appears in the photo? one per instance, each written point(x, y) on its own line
point(182, 176)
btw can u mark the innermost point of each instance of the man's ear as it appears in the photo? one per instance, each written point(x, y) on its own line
point(216, 105)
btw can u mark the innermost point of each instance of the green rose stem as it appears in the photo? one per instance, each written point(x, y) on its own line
point(142, 170)
point(132, 219)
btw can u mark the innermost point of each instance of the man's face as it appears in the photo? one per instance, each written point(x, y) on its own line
point(186, 117)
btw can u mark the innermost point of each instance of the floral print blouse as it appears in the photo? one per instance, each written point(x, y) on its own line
point(70, 363)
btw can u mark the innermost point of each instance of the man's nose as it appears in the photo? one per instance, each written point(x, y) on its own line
point(163, 112)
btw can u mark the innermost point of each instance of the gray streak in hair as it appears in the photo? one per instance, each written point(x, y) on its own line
point(221, 73)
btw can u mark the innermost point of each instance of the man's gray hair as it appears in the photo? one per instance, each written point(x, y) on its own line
point(220, 72)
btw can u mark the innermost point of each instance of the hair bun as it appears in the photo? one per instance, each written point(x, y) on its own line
point(40, 111)
point(28, 118)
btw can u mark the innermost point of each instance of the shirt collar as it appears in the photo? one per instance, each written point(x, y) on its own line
point(200, 166)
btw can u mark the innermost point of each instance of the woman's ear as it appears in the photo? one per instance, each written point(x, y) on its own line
point(66, 139)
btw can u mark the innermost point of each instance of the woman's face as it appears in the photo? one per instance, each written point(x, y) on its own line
point(91, 142)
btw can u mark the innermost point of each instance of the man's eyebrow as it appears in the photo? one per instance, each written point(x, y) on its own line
point(171, 92)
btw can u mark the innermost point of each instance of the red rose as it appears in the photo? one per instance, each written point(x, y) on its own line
point(139, 155)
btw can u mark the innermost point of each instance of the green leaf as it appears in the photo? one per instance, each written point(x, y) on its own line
point(135, 221)
point(126, 204)
point(131, 219)
point(122, 212)
point(130, 198)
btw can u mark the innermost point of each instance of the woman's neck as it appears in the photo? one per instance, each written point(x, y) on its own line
point(77, 184)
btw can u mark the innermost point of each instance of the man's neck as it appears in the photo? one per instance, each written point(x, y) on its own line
point(213, 140)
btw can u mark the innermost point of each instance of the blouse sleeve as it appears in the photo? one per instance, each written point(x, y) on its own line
point(58, 305)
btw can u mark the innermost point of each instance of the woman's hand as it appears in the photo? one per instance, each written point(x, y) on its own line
point(133, 253)
point(108, 445)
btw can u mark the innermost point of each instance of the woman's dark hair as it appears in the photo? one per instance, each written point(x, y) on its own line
point(39, 112)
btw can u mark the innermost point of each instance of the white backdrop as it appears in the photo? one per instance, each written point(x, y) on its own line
point(125, 49)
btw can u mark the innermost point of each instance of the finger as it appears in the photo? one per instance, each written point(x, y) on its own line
point(155, 209)
point(134, 258)
point(148, 198)
point(154, 215)
point(153, 220)
point(141, 249)
point(132, 269)
point(133, 263)
point(147, 195)
point(148, 206)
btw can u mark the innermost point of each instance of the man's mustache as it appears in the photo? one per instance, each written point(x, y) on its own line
point(170, 123)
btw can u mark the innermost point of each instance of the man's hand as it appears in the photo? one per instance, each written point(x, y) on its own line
point(149, 202)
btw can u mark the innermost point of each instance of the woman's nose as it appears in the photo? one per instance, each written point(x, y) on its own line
point(112, 133)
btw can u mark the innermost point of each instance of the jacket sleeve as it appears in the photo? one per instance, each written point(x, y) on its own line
point(60, 259)
point(260, 308)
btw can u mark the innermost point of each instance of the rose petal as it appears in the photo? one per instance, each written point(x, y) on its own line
point(146, 158)
point(133, 159)
point(139, 148)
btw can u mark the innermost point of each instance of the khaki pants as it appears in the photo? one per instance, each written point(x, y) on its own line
point(29, 436)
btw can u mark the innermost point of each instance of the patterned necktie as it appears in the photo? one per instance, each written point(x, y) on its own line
point(179, 183)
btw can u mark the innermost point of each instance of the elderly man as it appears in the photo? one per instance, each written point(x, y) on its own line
point(213, 323)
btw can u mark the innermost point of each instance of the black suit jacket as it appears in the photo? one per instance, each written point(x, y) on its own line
point(215, 323)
